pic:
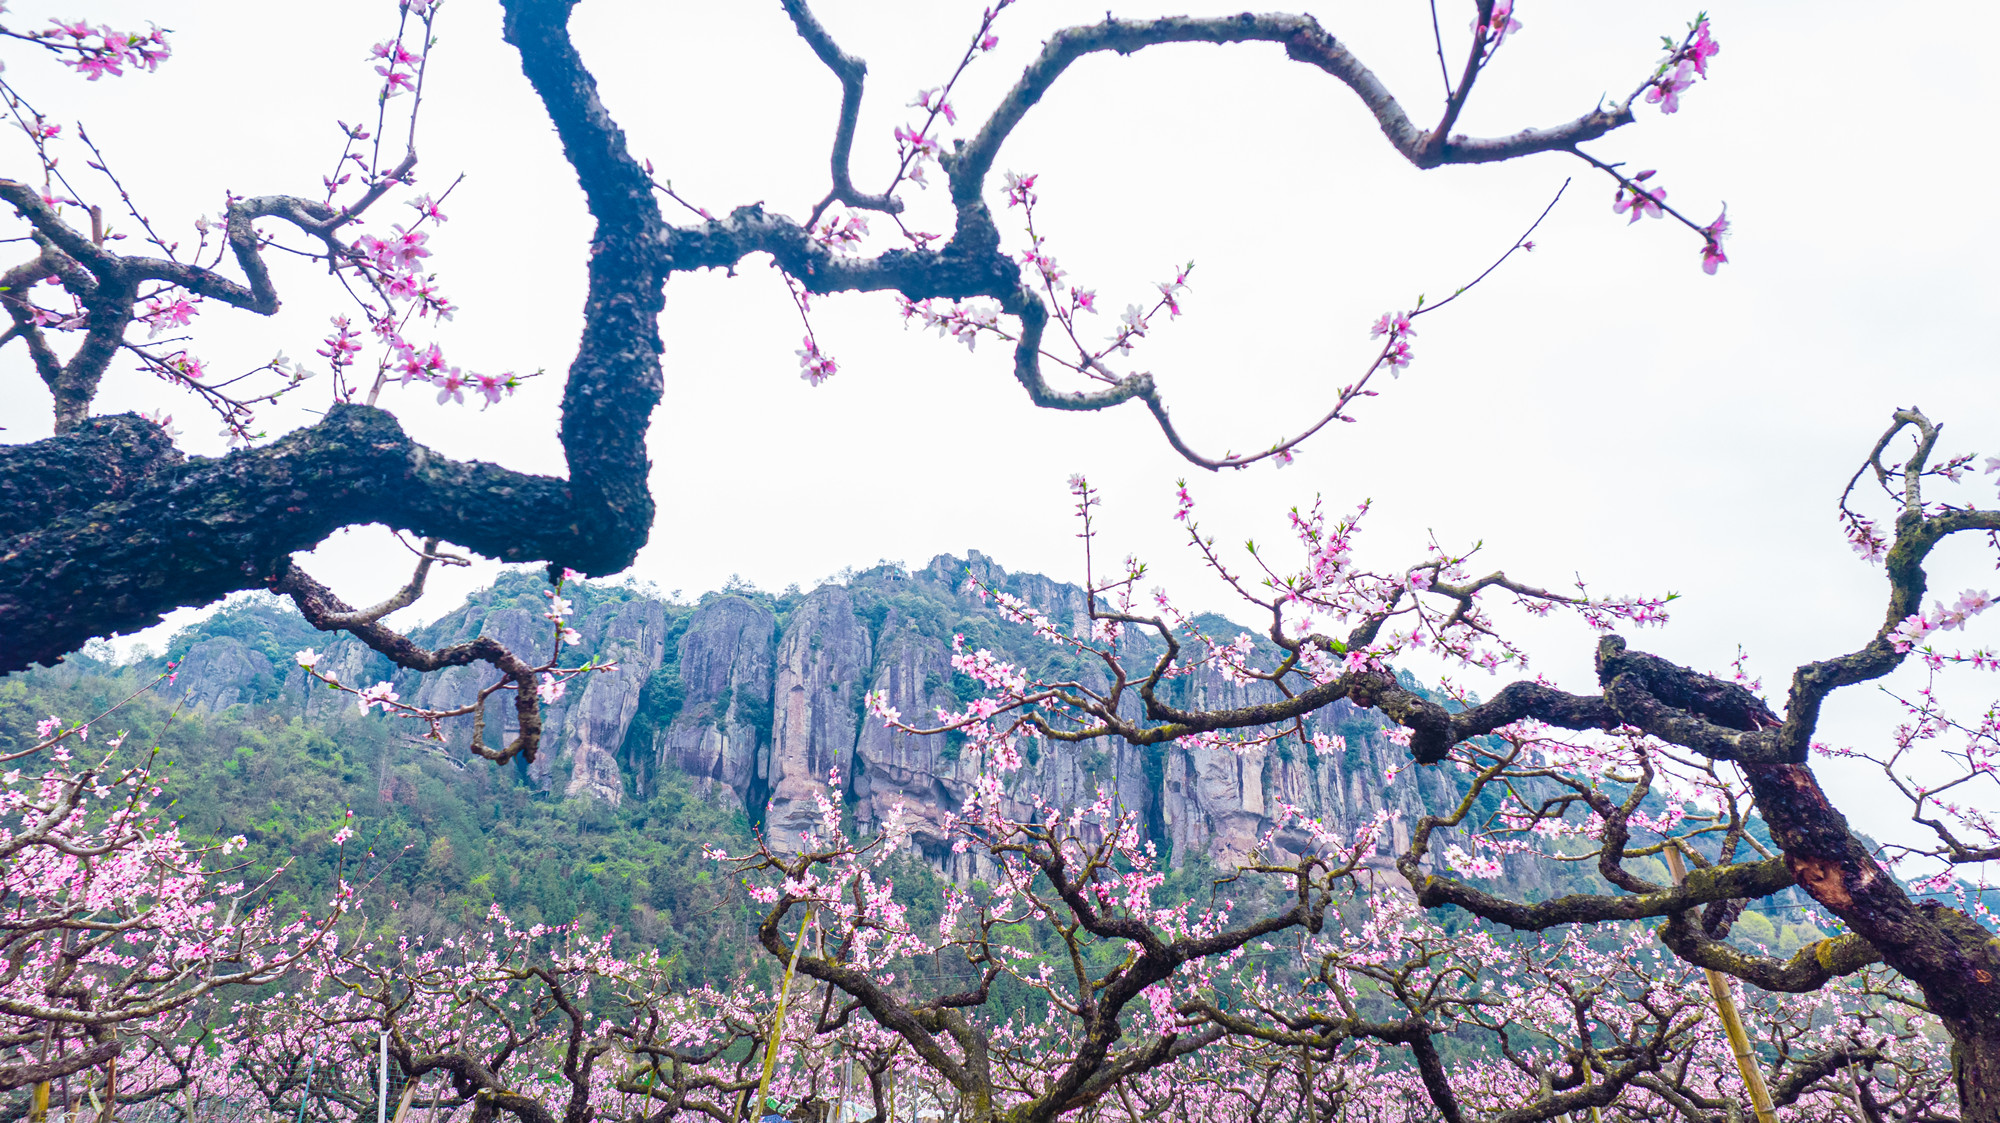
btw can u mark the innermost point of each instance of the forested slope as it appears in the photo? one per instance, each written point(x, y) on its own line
point(689, 726)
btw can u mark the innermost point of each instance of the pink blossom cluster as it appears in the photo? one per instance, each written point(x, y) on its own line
point(390, 266)
point(1501, 24)
point(917, 145)
point(97, 51)
point(963, 321)
point(164, 313)
point(1435, 605)
point(1686, 60)
point(393, 266)
point(917, 149)
point(427, 364)
point(341, 347)
point(115, 922)
point(394, 256)
point(1021, 190)
point(815, 366)
point(1639, 201)
point(842, 231)
point(397, 66)
point(1396, 352)
point(1711, 246)
point(1863, 535)
point(932, 101)
point(1682, 66)
point(1945, 765)
point(1913, 630)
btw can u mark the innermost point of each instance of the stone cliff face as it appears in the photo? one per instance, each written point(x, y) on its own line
point(593, 730)
point(725, 665)
point(217, 674)
point(893, 768)
point(758, 699)
point(822, 665)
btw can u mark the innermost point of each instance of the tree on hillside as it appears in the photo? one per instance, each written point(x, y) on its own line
point(115, 932)
point(1664, 762)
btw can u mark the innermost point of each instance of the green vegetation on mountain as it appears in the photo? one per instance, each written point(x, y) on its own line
point(443, 839)
point(437, 845)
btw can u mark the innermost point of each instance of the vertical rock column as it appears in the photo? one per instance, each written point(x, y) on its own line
point(595, 725)
point(215, 673)
point(823, 661)
point(726, 675)
point(895, 768)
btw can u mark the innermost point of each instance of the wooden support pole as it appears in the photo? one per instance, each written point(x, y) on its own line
point(778, 1023)
point(403, 1104)
point(111, 1092)
point(306, 1095)
point(1732, 1023)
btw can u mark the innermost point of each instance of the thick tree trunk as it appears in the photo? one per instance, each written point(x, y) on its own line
point(105, 526)
point(168, 530)
point(1975, 1067)
point(1949, 955)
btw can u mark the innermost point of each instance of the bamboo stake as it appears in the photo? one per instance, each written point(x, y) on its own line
point(403, 1104)
point(846, 1084)
point(778, 1023)
point(436, 1097)
point(1125, 1097)
point(1732, 1023)
point(111, 1091)
point(38, 1106)
point(307, 1094)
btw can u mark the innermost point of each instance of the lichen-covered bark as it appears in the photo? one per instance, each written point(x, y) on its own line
point(615, 381)
point(1723, 883)
point(188, 531)
point(1952, 959)
point(78, 560)
point(1807, 970)
point(106, 459)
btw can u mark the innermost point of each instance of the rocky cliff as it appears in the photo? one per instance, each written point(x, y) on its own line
point(758, 697)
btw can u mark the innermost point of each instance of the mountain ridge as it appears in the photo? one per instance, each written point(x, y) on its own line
point(686, 746)
point(757, 698)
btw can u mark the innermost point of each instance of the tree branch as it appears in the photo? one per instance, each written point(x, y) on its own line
point(1807, 970)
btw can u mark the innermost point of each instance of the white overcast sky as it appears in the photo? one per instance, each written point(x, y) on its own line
point(1599, 407)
